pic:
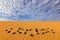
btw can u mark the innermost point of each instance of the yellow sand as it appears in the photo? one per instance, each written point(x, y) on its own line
point(27, 25)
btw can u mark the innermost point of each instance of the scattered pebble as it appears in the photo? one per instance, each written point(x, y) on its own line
point(20, 32)
point(43, 29)
point(14, 33)
point(47, 31)
point(47, 28)
point(30, 29)
point(31, 35)
point(43, 33)
point(25, 32)
point(37, 33)
point(9, 31)
point(36, 30)
point(6, 30)
point(22, 29)
point(19, 28)
point(53, 32)
point(11, 28)
point(51, 29)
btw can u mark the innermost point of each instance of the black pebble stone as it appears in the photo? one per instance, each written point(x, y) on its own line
point(31, 35)
point(47, 28)
point(30, 29)
point(9, 31)
point(51, 29)
point(20, 32)
point(53, 32)
point(37, 33)
point(43, 29)
point(43, 33)
point(22, 29)
point(25, 32)
point(36, 30)
point(14, 33)
point(11, 28)
point(6, 30)
point(19, 28)
point(47, 31)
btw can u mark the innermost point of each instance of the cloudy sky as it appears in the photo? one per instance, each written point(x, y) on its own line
point(30, 10)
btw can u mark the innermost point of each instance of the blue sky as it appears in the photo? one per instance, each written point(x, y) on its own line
point(30, 10)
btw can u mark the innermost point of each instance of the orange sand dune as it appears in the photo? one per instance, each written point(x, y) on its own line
point(15, 30)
